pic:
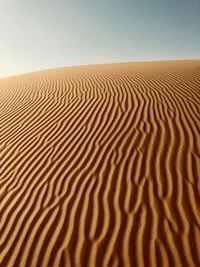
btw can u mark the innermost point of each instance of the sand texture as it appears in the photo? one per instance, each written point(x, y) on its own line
point(100, 166)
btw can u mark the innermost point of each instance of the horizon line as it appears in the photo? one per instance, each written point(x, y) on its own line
point(95, 64)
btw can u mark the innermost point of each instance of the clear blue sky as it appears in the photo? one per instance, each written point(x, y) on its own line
point(40, 34)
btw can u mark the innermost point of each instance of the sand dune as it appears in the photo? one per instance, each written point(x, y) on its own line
point(100, 166)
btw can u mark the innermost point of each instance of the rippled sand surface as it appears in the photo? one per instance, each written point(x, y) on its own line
point(100, 166)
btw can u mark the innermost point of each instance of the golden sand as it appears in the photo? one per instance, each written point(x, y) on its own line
point(100, 166)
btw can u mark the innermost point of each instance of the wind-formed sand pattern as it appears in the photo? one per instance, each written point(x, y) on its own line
point(100, 166)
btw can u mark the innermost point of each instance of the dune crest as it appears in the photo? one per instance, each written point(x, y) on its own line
point(100, 166)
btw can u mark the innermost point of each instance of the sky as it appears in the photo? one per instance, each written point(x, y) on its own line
point(43, 34)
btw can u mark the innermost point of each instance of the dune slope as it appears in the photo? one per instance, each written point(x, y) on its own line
point(100, 166)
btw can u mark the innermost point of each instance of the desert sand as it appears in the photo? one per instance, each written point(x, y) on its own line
point(100, 166)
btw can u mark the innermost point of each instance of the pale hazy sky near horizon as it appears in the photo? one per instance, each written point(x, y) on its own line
point(42, 34)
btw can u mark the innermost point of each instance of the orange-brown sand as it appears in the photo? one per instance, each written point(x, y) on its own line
point(100, 166)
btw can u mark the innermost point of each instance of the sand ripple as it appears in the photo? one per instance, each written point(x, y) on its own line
point(100, 166)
